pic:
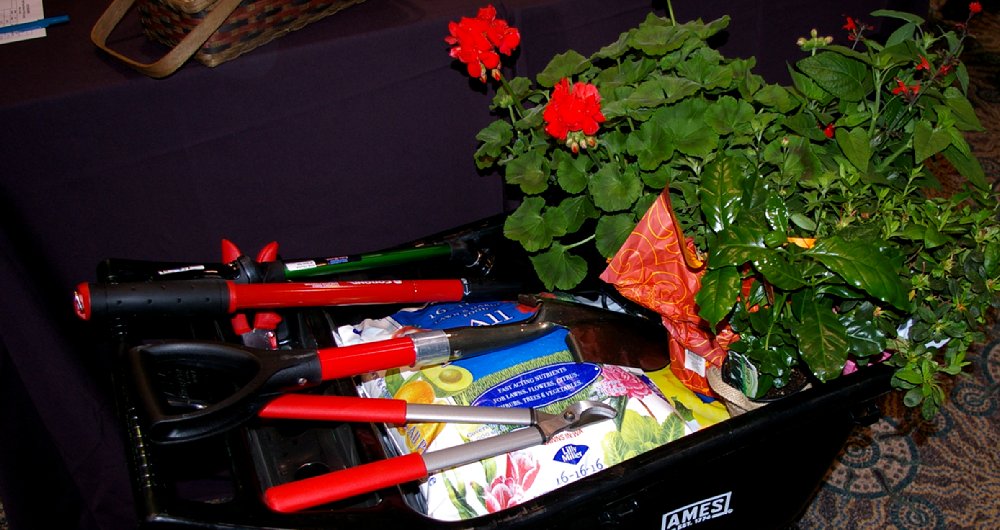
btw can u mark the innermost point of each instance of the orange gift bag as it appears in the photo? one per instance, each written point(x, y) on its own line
point(659, 269)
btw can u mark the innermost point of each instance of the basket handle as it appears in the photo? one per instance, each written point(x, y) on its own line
point(180, 53)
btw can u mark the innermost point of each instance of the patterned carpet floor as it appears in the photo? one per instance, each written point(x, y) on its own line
point(905, 473)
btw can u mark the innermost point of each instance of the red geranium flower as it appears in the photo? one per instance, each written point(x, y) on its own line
point(475, 42)
point(573, 109)
point(975, 7)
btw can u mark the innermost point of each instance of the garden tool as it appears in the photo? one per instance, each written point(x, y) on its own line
point(262, 332)
point(193, 389)
point(217, 297)
point(342, 484)
point(467, 248)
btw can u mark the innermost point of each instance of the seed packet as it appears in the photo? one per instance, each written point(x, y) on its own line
point(542, 374)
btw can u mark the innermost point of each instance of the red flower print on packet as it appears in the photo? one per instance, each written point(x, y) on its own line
point(509, 489)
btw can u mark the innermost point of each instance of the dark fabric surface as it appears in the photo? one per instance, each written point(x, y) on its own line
point(352, 134)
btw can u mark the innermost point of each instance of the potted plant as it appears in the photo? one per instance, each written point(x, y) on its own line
point(810, 216)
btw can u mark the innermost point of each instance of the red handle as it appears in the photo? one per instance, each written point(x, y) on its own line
point(345, 361)
point(335, 408)
point(274, 295)
point(338, 485)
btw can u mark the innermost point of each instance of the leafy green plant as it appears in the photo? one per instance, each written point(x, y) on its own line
point(811, 204)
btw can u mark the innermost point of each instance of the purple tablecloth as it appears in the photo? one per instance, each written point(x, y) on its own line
point(353, 134)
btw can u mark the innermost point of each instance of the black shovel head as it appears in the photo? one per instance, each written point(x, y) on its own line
point(190, 390)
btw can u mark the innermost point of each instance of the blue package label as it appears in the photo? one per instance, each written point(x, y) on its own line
point(540, 387)
point(460, 314)
point(570, 454)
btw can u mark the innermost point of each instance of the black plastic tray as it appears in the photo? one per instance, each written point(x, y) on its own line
point(758, 470)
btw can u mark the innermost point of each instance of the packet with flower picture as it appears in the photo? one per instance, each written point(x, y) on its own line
point(542, 374)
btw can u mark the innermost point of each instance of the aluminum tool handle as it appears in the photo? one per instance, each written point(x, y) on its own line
point(339, 485)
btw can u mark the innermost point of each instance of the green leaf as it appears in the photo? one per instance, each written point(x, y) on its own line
point(711, 28)
point(968, 166)
point(991, 258)
point(807, 87)
point(575, 211)
point(909, 374)
point(738, 245)
point(650, 144)
point(803, 222)
point(703, 68)
point(719, 290)
point(571, 171)
point(839, 75)
point(647, 94)
point(527, 226)
point(901, 15)
point(776, 97)
point(530, 171)
point(928, 141)
point(822, 338)
point(612, 231)
point(901, 35)
point(685, 127)
point(862, 266)
point(676, 88)
point(727, 114)
point(913, 397)
point(776, 212)
point(855, 145)
point(962, 74)
point(615, 49)
point(720, 191)
point(558, 269)
point(494, 138)
point(779, 272)
point(657, 39)
point(563, 65)
point(614, 189)
point(863, 335)
point(962, 110)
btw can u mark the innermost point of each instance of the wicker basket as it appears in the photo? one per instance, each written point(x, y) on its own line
point(212, 31)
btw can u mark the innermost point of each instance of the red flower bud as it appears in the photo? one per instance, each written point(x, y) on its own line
point(975, 8)
point(828, 129)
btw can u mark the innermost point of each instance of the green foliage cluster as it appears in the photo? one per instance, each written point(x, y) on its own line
point(838, 157)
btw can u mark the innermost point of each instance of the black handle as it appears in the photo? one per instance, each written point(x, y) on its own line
point(193, 389)
point(490, 290)
point(191, 298)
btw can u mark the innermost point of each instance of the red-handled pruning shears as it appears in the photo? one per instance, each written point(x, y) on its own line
point(342, 484)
